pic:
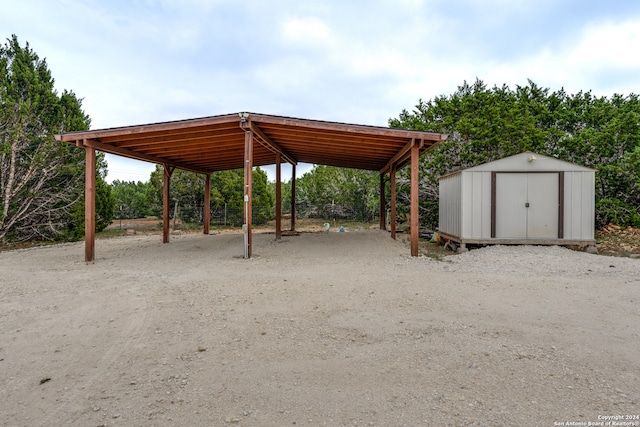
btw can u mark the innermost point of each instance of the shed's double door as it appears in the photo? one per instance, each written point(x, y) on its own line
point(527, 205)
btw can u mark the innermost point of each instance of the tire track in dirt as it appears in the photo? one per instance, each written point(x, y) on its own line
point(118, 324)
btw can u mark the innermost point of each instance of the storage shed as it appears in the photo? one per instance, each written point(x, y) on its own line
point(523, 199)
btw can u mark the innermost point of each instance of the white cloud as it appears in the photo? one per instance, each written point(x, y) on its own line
point(145, 61)
point(579, 64)
point(608, 45)
point(306, 31)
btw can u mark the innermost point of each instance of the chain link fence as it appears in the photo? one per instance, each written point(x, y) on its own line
point(338, 212)
point(233, 216)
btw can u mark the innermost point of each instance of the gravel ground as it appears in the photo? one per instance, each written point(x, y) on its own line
point(322, 329)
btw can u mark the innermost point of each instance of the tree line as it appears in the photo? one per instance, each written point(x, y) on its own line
point(324, 192)
point(42, 185)
point(486, 124)
point(186, 196)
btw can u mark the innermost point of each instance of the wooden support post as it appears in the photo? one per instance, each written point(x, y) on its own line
point(248, 191)
point(278, 199)
point(206, 214)
point(414, 220)
point(90, 205)
point(168, 171)
point(383, 202)
point(392, 179)
point(293, 197)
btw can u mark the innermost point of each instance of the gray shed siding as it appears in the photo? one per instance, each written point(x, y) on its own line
point(579, 220)
point(450, 204)
point(465, 212)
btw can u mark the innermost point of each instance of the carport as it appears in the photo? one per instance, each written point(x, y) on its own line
point(244, 140)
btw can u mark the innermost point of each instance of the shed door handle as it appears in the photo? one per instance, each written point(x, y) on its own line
point(526, 205)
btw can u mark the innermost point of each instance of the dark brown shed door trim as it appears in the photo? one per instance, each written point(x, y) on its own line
point(560, 199)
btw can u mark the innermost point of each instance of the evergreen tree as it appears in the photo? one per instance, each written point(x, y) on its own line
point(332, 192)
point(41, 180)
point(131, 199)
point(488, 124)
point(187, 192)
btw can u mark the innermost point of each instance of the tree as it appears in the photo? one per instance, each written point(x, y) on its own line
point(623, 204)
point(333, 192)
point(131, 199)
point(40, 179)
point(105, 204)
point(263, 203)
point(186, 194)
point(488, 124)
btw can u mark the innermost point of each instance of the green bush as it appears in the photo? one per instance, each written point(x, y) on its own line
point(614, 211)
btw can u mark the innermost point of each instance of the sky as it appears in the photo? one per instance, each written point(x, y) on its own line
point(146, 61)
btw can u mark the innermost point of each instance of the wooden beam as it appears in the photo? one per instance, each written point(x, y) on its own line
point(278, 198)
point(106, 148)
point(398, 156)
point(393, 219)
point(293, 197)
point(324, 137)
point(344, 127)
point(206, 215)
point(209, 144)
point(153, 127)
point(90, 205)
point(248, 191)
point(414, 217)
point(383, 202)
point(204, 122)
point(175, 136)
point(166, 183)
point(267, 142)
point(405, 156)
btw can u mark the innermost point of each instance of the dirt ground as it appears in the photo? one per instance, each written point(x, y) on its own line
point(336, 329)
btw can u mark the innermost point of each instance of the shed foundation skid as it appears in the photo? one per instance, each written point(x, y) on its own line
point(462, 245)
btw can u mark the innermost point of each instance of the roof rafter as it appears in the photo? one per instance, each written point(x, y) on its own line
point(344, 127)
point(398, 157)
point(119, 132)
point(267, 142)
point(137, 156)
point(208, 144)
